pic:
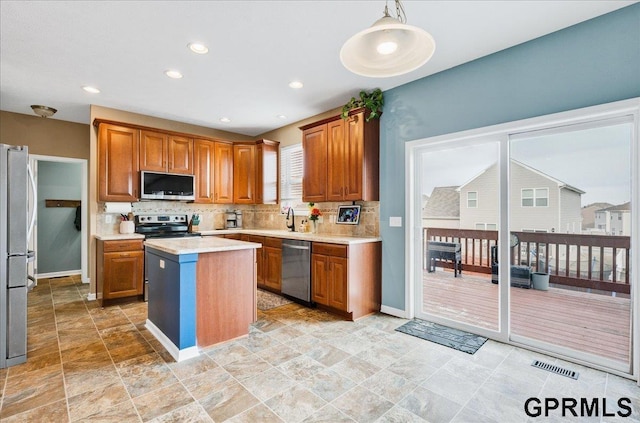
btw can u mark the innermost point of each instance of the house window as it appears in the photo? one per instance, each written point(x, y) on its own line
point(480, 226)
point(472, 199)
point(492, 227)
point(291, 171)
point(535, 197)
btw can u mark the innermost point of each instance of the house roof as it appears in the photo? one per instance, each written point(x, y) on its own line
point(444, 202)
point(555, 180)
point(620, 207)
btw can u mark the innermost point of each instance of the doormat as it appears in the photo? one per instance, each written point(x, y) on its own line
point(449, 337)
point(267, 300)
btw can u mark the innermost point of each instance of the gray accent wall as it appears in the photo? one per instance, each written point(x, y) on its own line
point(58, 240)
point(594, 62)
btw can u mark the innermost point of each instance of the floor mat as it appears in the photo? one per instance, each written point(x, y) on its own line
point(267, 300)
point(449, 337)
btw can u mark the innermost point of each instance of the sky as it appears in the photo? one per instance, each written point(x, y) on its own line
point(596, 160)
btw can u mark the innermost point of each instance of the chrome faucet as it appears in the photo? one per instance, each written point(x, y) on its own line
point(291, 227)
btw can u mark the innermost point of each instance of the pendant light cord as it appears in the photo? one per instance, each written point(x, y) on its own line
point(400, 13)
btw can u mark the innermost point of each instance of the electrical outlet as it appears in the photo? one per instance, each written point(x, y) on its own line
point(108, 218)
point(161, 264)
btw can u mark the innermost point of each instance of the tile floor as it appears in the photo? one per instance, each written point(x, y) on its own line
point(92, 364)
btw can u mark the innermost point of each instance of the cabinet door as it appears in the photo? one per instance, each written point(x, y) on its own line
point(314, 150)
point(244, 173)
point(319, 281)
point(223, 173)
point(180, 155)
point(337, 281)
point(203, 170)
point(118, 168)
point(273, 268)
point(123, 274)
point(335, 160)
point(153, 151)
point(267, 172)
point(353, 157)
point(259, 256)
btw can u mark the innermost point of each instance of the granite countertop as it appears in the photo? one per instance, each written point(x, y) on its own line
point(195, 245)
point(277, 233)
point(119, 237)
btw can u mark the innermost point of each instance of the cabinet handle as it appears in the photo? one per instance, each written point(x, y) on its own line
point(124, 255)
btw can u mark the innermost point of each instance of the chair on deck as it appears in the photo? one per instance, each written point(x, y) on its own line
point(520, 275)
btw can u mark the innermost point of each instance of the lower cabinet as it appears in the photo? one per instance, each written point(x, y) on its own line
point(259, 257)
point(346, 279)
point(120, 269)
point(272, 264)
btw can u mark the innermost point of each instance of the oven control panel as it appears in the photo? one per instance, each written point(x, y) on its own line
point(165, 218)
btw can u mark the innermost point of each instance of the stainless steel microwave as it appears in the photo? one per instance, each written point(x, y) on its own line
point(167, 186)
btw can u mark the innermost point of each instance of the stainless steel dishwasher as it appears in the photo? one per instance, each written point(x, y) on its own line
point(296, 270)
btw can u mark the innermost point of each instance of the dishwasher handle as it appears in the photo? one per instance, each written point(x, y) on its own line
point(295, 247)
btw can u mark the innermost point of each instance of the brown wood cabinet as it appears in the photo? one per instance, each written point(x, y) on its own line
point(272, 264)
point(347, 279)
point(341, 159)
point(256, 172)
point(120, 269)
point(244, 173)
point(118, 172)
point(162, 152)
point(223, 173)
point(259, 257)
point(203, 166)
point(314, 152)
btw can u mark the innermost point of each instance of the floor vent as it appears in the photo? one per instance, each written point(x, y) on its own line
point(555, 369)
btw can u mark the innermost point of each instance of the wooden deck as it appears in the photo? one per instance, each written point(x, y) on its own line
point(591, 323)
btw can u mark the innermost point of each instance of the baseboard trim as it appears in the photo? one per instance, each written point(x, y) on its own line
point(177, 354)
point(91, 296)
point(58, 274)
point(393, 311)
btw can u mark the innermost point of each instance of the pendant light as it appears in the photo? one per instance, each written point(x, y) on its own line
point(389, 47)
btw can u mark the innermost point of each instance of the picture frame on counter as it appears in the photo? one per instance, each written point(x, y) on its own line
point(348, 215)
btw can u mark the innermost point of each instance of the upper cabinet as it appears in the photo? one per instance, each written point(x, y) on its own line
point(223, 173)
point(245, 172)
point(341, 159)
point(161, 152)
point(118, 173)
point(256, 172)
point(203, 165)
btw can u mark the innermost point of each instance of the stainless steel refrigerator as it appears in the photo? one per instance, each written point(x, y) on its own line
point(15, 228)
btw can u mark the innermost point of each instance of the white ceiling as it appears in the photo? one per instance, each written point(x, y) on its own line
point(50, 49)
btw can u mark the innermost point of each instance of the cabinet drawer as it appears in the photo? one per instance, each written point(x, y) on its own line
point(256, 238)
point(124, 245)
point(273, 242)
point(335, 250)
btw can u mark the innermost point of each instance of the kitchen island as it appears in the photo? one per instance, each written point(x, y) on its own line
point(202, 291)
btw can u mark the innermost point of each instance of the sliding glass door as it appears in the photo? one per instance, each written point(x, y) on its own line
point(570, 207)
point(523, 233)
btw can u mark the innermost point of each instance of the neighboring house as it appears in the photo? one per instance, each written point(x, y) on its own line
point(614, 220)
point(589, 216)
point(442, 209)
point(539, 202)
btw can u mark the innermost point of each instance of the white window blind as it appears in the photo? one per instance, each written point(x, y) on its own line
point(291, 171)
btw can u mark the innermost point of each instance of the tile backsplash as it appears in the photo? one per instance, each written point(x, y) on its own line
point(254, 216)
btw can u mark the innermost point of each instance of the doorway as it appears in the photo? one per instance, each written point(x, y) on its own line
point(541, 214)
point(61, 247)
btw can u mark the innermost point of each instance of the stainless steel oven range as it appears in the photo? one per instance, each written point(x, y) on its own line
point(162, 226)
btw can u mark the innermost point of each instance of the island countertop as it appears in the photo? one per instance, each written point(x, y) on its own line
point(196, 245)
point(306, 236)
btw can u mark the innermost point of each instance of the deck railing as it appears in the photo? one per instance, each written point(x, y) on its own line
point(585, 261)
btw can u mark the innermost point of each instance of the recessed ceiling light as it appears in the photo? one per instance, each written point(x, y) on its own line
point(281, 116)
point(174, 74)
point(198, 48)
point(296, 84)
point(225, 120)
point(92, 90)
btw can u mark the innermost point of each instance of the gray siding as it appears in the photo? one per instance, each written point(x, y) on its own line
point(570, 215)
point(532, 218)
point(487, 187)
